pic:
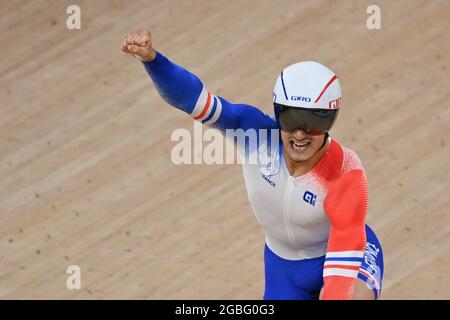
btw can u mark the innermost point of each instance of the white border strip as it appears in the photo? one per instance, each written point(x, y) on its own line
point(343, 263)
point(345, 254)
point(328, 272)
point(200, 103)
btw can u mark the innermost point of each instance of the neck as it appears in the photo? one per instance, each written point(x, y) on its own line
point(299, 168)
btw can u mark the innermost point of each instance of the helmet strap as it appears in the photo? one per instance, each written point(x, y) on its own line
point(324, 140)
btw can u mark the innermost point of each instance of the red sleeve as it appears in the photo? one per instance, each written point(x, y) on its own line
point(346, 206)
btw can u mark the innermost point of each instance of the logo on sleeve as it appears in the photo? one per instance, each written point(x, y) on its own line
point(310, 198)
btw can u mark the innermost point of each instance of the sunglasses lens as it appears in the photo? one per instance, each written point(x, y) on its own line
point(314, 132)
point(313, 121)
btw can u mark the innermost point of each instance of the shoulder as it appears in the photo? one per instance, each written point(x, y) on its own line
point(347, 189)
point(329, 168)
point(351, 161)
point(337, 161)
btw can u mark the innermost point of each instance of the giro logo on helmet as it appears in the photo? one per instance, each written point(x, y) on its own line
point(299, 98)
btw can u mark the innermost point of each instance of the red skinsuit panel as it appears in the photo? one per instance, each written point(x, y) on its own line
point(346, 206)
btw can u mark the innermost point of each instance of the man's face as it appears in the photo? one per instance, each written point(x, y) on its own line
point(299, 145)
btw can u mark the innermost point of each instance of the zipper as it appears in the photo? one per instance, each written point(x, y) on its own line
point(287, 197)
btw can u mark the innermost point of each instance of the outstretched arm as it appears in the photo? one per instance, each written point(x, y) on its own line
point(184, 90)
point(346, 206)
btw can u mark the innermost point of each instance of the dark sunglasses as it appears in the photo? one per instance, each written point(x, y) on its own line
point(312, 121)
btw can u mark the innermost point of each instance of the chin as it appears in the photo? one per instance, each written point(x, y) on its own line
point(299, 158)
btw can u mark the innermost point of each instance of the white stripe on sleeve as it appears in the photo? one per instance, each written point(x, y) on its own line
point(327, 272)
point(201, 101)
point(345, 254)
point(343, 263)
point(216, 112)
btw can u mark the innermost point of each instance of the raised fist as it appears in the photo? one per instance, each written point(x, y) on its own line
point(139, 44)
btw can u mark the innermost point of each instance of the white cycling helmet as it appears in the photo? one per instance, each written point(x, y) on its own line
point(307, 95)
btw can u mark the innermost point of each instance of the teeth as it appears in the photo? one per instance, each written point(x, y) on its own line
point(299, 145)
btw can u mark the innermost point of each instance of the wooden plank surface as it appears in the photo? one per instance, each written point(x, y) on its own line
point(85, 170)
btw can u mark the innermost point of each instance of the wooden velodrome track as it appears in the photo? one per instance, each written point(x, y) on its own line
point(85, 170)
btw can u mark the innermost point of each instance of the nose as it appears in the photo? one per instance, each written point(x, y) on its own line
point(299, 133)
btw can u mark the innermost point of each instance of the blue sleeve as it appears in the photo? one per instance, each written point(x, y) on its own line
point(184, 90)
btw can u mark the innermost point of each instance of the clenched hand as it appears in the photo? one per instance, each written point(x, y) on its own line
point(139, 43)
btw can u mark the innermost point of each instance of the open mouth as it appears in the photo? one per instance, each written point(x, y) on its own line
point(299, 145)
